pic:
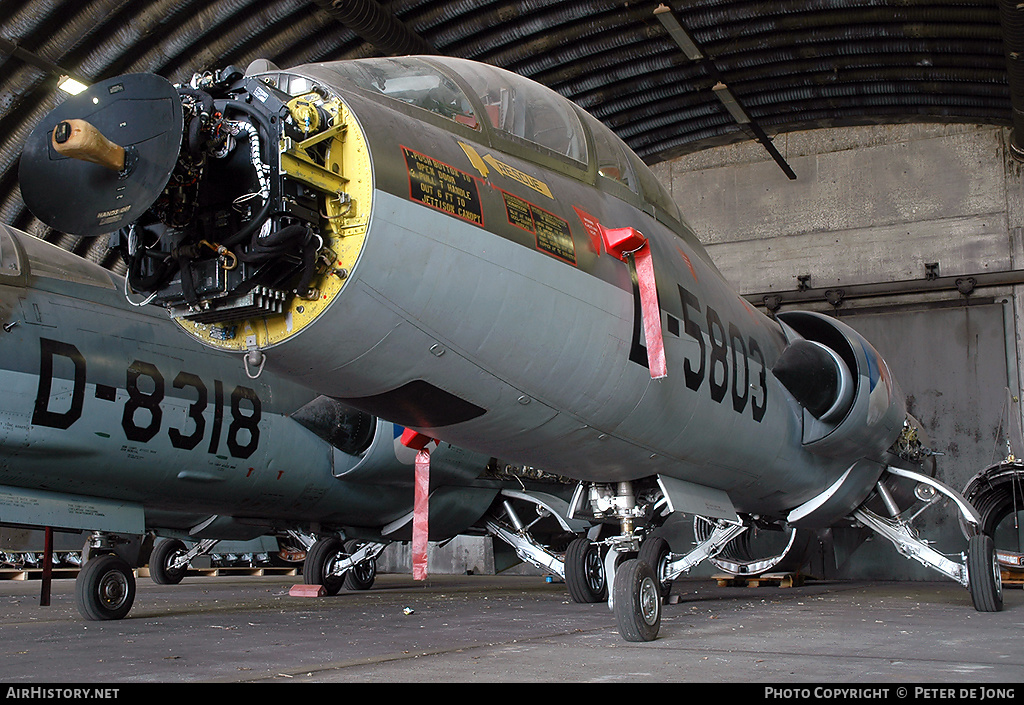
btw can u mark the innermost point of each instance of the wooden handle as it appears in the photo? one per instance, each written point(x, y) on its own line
point(80, 140)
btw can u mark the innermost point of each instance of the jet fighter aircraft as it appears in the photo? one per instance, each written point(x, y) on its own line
point(114, 423)
point(464, 252)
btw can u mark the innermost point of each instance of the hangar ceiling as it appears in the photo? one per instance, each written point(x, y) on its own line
point(791, 64)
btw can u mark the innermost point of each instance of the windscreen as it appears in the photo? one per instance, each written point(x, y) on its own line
point(525, 109)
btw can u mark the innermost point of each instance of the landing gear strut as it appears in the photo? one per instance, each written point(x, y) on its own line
point(363, 575)
point(639, 567)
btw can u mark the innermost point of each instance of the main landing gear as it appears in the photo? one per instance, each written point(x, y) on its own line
point(330, 561)
point(169, 560)
point(335, 564)
point(105, 586)
point(977, 570)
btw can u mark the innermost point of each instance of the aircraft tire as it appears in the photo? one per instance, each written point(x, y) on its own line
point(655, 552)
point(105, 588)
point(362, 576)
point(983, 574)
point(637, 601)
point(160, 560)
point(584, 572)
point(318, 562)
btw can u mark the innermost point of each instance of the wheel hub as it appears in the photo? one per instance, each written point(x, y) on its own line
point(650, 601)
point(113, 590)
point(595, 571)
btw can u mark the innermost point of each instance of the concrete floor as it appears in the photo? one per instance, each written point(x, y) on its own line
point(519, 629)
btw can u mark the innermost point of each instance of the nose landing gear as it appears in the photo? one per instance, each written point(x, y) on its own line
point(639, 567)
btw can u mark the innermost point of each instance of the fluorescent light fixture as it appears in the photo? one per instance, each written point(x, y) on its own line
point(71, 85)
point(676, 31)
point(65, 82)
point(723, 93)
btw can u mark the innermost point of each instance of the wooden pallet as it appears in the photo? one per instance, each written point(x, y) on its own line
point(36, 573)
point(1013, 578)
point(782, 580)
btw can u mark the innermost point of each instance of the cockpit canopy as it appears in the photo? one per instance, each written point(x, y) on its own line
point(10, 257)
point(514, 109)
point(22, 256)
point(515, 106)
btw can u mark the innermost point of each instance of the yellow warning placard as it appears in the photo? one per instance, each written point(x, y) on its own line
point(487, 162)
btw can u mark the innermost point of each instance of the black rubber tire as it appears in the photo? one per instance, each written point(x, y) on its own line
point(655, 551)
point(584, 572)
point(362, 576)
point(318, 561)
point(160, 559)
point(637, 601)
point(984, 577)
point(105, 588)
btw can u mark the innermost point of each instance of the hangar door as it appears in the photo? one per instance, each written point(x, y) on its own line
point(951, 362)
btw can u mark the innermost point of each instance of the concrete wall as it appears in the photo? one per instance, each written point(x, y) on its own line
point(869, 204)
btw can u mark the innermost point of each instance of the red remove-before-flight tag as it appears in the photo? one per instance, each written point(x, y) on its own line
point(622, 242)
point(651, 312)
point(419, 516)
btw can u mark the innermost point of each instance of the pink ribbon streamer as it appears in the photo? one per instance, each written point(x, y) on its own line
point(651, 313)
point(419, 516)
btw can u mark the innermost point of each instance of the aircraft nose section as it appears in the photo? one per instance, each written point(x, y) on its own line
point(239, 203)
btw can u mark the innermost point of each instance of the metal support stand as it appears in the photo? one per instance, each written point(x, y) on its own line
point(44, 594)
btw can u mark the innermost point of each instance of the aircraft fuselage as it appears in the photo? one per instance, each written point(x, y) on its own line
point(428, 240)
point(484, 309)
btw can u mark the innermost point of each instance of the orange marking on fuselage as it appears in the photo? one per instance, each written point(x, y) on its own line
point(689, 264)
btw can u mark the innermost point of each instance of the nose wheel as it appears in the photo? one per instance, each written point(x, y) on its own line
point(636, 595)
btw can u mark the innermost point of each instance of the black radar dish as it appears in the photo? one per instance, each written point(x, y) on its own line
point(140, 113)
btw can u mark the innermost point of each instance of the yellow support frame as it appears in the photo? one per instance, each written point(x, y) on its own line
point(345, 181)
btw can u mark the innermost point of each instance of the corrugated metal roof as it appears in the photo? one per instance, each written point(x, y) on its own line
point(792, 64)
